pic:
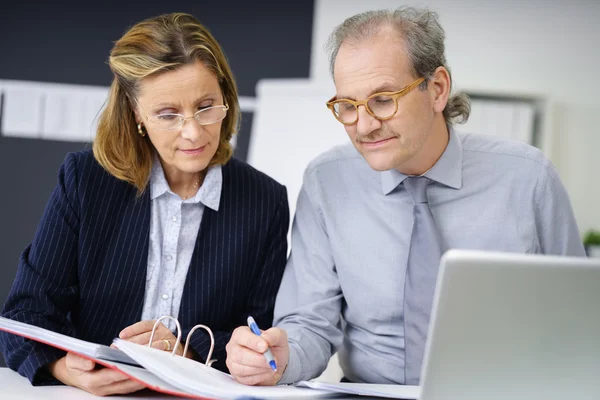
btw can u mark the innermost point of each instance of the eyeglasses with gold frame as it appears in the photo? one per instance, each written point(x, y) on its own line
point(172, 121)
point(382, 105)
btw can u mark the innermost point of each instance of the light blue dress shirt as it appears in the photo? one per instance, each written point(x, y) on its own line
point(174, 225)
point(343, 286)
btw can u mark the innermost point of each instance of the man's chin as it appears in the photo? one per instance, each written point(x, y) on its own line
point(380, 164)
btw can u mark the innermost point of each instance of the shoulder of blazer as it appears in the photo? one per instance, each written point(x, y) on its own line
point(89, 177)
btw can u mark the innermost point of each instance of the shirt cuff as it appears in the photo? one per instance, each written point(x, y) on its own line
point(293, 370)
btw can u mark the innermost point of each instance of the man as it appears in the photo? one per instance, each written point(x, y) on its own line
point(373, 219)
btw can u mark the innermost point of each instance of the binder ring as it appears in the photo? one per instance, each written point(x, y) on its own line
point(187, 339)
point(178, 333)
point(212, 343)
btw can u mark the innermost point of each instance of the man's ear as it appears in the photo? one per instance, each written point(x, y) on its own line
point(439, 86)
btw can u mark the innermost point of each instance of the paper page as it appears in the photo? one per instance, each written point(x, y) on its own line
point(23, 107)
point(367, 389)
point(499, 118)
point(198, 379)
point(475, 122)
point(71, 112)
point(63, 342)
point(523, 122)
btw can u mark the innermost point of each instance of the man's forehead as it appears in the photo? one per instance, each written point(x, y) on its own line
point(377, 59)
point(362, 72)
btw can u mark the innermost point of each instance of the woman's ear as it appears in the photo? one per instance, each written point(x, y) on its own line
point(136, 113)
point(133, 103)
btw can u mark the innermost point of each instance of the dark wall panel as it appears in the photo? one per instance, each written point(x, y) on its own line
point(69, 41)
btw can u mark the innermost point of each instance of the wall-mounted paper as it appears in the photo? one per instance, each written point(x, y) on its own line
point(71, 113)
point(50, 110)
point(22, 109)
point(509, 119)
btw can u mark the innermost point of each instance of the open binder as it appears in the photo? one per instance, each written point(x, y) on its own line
point(93, 351)
point(175, 375)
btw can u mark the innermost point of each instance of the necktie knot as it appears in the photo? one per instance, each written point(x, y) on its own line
point(416, 186)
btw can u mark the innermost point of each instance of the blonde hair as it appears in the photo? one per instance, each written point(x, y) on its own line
point(156, 45)
point(424, 38)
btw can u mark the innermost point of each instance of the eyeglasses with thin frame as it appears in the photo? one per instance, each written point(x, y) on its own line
point(171, 121)
point(382, 105)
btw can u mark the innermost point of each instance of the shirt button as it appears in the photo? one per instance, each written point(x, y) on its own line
point(165, 296)
point(169, 257)
point(174, 218)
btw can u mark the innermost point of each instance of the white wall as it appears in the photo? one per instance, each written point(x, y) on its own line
point(548, 48)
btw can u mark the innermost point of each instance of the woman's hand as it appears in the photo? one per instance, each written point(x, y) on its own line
point(163, 338)
point(76, 371)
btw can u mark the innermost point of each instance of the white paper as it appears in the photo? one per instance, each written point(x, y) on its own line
point(22, 109)
point(95, 101)
point(63, 342)
point(475, 122)
point(63, 115)
point(51, 111)
point(500, 120)
point(523, 122)
point(72, 111)
point(367, 389)
point(504, 119)
point(192, 377)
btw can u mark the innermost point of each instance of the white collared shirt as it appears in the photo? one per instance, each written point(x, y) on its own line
point(174, 226)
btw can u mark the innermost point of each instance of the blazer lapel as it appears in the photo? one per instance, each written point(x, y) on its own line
point(135, 258)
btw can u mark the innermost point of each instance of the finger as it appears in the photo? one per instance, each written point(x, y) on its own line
point(275, 337)
point(244, 337)
point(75, 362)
point(142, 338)
point(240, 370)
point(245, 356)
point(138, 328)
point(121, 387)
point(162, 345)
point(266, 379)
point(103, 377)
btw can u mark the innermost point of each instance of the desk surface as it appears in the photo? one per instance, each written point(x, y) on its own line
point(13, 386)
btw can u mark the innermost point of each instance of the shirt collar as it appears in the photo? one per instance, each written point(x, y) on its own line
point(447, 170)
point(158, 182)
point(209, 193)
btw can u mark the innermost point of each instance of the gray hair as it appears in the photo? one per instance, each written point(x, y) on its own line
point(424, 38)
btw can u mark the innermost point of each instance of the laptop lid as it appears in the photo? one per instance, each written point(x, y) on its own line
point(513, 326)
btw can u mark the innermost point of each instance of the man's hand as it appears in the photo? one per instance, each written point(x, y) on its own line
point(245, 358)
point(76, 371)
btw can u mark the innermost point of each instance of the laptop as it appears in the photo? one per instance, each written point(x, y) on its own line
point(513, 327)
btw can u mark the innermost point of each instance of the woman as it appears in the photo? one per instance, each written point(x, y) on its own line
point(158, 220)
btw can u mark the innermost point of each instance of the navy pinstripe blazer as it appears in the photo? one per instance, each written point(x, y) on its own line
point(84, 274)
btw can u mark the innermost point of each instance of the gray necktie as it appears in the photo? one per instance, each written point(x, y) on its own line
point(421, 274)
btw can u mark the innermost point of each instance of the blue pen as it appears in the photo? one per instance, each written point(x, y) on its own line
point(268, 355)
